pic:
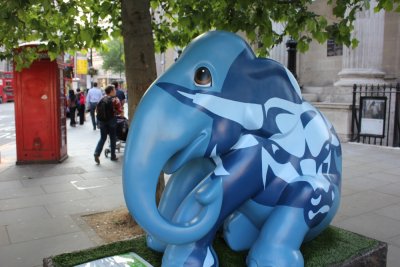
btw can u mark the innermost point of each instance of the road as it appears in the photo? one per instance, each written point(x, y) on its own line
point(7, 123)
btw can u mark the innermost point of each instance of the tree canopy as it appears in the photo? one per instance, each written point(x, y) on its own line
point(66, 25)
point(177, 22)
point(112, 53)
point(58, 25)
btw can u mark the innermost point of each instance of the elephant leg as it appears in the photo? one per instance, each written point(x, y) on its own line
point(280, 239)
point(234, 228)
point(315, 231)
point(242, 228)
point(195, 254)
point(238, 186)
point(180, 184)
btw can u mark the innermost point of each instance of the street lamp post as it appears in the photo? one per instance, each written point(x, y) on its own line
point(291, 45)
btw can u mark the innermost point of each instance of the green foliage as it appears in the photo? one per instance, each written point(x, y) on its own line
point(59, 25)
point(334, 246)
point(72, 25)
point(112, 53)
point(176, 22)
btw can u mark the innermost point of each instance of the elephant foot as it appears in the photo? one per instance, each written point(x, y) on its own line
point(155, 244)
point(275, 257)
point(239, 232)
point(189, 256)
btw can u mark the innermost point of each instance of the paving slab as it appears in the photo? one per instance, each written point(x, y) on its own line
point(395, 241)
point(4, 240)
point(88, 184)
point(365, 201)
point(363, 183)
point(49, 180)
point(31, 253)
point(59, 187)
point(20, 192)
point(393, 257)
point(41, 228)
point(14, 172)
point(392, 211)
point(44, 199)
point(101, 173)
point(115, 189)
point(23, 215)
point(390, 189)
point(88, 206)
point(372, 225)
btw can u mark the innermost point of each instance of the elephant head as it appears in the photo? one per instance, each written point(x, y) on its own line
point(198, 108)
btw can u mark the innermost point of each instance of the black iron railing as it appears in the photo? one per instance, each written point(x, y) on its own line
point(376, 115)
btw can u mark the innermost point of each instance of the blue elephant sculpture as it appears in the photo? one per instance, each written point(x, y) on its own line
point(246, 153)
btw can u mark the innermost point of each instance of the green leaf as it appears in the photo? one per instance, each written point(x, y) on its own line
point(86, 36)
point(311, 25)
point(354, 43)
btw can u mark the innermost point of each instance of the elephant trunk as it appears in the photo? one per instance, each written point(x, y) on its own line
point(150, 145)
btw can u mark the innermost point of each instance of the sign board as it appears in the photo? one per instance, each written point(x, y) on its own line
point(130, 259)
point(81, 65)
point(372, 116)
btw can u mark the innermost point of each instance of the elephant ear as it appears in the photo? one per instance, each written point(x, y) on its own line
point(267, 83)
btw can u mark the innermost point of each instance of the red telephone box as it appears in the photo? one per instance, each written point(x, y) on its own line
point(40, 112)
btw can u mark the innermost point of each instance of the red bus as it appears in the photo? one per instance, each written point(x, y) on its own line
point(6, 86)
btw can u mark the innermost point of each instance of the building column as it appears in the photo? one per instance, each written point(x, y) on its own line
point(279, 52)
point(363, 65)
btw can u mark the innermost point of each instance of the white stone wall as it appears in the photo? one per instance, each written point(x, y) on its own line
point(391, 48)
point(315, 68)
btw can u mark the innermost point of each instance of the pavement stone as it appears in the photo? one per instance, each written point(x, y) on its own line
point(4, 240)
point(44, 199)
point(392, 211)
point(390, 189)
point(393, 258)
point(41, 228)
point(20, 192)
point(31, 253)
point(365, 201)
point(372, 225)
point(23, 215)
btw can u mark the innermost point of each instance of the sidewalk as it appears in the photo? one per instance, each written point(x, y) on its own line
point(40, 205)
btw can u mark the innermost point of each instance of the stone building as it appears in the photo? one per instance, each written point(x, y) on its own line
point(327, 72)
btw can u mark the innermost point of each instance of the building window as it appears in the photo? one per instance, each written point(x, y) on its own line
point(333, 49)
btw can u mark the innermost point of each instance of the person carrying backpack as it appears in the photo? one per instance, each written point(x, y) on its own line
point(107, 109)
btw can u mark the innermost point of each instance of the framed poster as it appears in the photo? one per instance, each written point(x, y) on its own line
point(372, 116)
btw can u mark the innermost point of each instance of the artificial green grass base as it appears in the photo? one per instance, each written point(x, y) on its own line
point(333, 247)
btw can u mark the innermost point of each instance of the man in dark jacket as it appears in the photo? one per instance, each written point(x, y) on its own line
point(108, 126)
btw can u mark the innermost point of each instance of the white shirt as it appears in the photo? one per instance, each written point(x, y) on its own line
point(94, 95)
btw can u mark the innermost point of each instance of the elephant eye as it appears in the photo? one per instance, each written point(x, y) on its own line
point(202, 77)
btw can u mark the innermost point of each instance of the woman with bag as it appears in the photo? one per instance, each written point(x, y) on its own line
point(72, 103)
point(81, 105)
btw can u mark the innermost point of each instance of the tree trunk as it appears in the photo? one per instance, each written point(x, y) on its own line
point(140, 65)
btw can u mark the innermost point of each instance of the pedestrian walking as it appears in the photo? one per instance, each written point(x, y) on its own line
point(120, 93)
point(72, 103)
point(80, 97)
point(93, 97)
point(108, 108)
